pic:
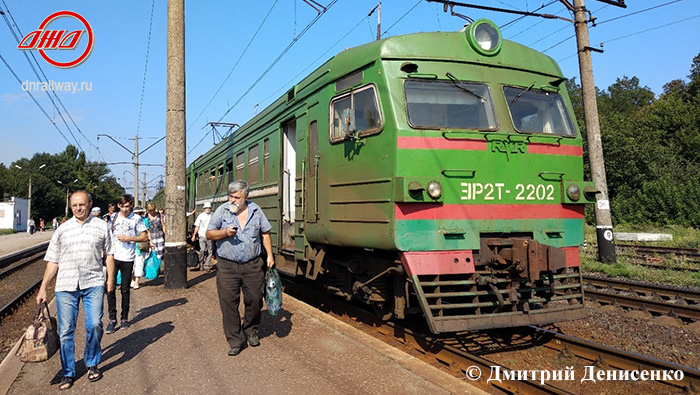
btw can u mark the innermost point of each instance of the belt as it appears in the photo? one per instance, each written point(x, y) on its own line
point(238, 263)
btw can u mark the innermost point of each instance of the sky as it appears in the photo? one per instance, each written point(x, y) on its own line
point(242, 50)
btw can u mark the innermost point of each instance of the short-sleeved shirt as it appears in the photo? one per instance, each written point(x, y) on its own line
point(78, 249)
point(203, 222)
point(246, 244)
point(131, 226)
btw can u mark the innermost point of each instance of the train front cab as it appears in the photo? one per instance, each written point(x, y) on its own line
point(490, 192)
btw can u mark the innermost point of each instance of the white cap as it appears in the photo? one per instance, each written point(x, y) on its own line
point(96, 210)
point(207, 205)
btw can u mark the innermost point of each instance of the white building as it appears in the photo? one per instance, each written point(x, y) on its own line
point(13, 214)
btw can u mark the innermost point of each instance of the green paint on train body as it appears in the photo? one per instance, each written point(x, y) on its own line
point(355, 191)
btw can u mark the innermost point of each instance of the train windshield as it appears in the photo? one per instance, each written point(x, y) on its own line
point(537, 111)
point(459, 105)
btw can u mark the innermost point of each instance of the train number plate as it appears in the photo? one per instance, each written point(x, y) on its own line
point(499, 191)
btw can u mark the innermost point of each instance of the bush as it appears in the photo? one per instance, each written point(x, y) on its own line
point(7, 231)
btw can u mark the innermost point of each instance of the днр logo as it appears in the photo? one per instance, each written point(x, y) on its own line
point(44, 40)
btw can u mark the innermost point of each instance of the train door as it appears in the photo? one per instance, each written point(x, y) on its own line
point(288, 183)
point(311, 184)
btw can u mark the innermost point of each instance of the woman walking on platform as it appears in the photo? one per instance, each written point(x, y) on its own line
point(157, 229)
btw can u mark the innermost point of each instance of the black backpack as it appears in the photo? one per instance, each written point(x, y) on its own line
point(192, 258)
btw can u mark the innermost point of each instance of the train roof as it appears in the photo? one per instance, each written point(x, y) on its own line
point(448, 46)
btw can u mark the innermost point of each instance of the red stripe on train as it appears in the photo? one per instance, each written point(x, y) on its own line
point(427, 211)
point(439, 143)
point(548, 149)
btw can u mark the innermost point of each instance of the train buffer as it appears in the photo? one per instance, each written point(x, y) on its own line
point(176, 345)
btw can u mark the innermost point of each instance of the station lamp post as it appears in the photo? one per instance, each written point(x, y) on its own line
point(67, 194)
point(29, 195)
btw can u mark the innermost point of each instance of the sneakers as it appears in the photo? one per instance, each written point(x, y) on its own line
point(254, 341)
point(234, 351)
point(110, 327)
point(125, 324)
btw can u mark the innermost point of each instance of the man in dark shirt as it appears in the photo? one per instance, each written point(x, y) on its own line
point(239, 227)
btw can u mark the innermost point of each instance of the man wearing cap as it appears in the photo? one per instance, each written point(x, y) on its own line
point(96, 211)
point(205, 246)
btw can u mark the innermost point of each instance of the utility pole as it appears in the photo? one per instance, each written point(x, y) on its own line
point(379, 20)
point(604, 228)
point(175, 276)
point(144, 190)
point(136, 163)
point(136, 170)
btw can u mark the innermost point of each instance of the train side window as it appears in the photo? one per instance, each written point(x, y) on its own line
point(360, 106)
point(266, 160)
point(229, 172)
point(253, 153)
point(212, 181)
point(240, 166)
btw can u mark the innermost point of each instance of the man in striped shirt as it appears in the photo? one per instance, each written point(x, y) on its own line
point(75, 257)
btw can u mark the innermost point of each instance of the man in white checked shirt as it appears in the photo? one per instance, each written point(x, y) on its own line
point(75, 254)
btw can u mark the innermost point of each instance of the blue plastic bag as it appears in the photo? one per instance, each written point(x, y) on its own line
point(152, 266)
point(273, 291)
point(119, 277)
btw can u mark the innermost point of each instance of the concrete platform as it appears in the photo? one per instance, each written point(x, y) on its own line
point(176, 345)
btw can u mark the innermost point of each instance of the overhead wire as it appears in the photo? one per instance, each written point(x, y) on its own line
point(34, 99)
point(281, 55)
point(399, 20)
point(236, 64)
point(640, 32)
point(317, 59)
point(34, 69)
point(145, 68)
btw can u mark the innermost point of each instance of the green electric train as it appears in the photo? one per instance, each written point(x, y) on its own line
point(435, 174)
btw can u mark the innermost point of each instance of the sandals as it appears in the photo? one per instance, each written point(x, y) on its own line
point(94, 374)
point(66, 383)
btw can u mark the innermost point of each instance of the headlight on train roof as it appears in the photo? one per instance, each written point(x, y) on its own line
point(434, 189)
point(573, 192)
point(485, 37)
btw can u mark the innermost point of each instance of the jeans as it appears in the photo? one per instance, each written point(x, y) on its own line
point(205, 251)
point(67, 307)
point(125, 268)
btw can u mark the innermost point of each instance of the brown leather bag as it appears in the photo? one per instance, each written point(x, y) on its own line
point(40, 341)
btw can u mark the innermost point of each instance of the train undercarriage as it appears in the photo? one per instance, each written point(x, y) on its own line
point(515, 281)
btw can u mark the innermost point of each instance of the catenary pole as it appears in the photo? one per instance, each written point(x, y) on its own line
point(175, 146)
point(604, 228)
point(136, 169)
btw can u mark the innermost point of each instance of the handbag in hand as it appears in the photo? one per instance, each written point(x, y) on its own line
point(40, 341)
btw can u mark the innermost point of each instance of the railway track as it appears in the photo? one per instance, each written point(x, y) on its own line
point(678, 302)
point(21, 276)
point(455, 354)
point(682, 259)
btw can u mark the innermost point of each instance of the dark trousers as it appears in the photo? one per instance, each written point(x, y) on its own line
point(231, 278)
point(125, 268)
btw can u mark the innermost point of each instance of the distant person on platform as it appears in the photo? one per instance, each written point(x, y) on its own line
point(41, 224)
point(110, 212)
point(54, 224)
point(75, 253)
point(205, 246)
point(96, 212)
point(127, 229)
point(239, 227)
point(30, 226)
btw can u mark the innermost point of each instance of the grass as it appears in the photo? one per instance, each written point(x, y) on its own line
point(626, 269)
point(7, 232)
